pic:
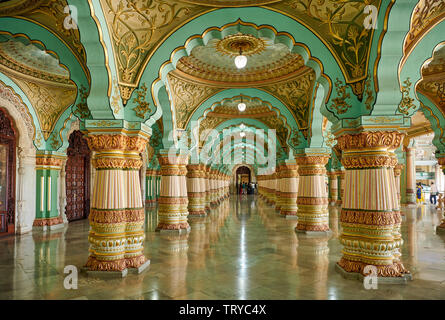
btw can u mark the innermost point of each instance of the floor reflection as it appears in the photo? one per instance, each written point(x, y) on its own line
point(243, 249)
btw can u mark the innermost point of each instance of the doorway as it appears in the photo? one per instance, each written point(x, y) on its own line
point(243, 175)
point(77, 178)
point(7, 174)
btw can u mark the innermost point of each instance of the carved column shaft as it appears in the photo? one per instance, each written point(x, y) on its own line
point(173, 200)
point(278, 199)
point(289, 189)
point(47, 190)
point(410, 176)
point(195, 190)
point(333, 186)
point(312, 196)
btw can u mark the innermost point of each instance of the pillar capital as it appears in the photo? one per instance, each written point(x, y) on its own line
point(50, 160)
point(370, 149)
point(398, 170)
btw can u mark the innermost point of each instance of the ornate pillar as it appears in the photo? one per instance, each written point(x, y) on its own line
point(313, 215)
point(441, 228)
point(333, 186)
point(117, 214)
point(26, 188)
point(273, 188)
point(228, 179)
point(195, 191)
point(397, 172)
point(370, 216)
point(213, 188)
point(173, 199)
point(62, 192)
point(48, 166)
point(150, 187)
point(289, 190)
point(220, 187)
point(208, 190)
point(341, 186)
point(410, 176)
point(278, 186)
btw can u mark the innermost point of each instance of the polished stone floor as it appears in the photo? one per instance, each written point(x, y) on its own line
point(241, 250)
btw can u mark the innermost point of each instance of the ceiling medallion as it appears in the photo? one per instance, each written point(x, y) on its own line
point(233, 44)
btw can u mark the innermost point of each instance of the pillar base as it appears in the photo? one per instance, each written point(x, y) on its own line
point(140, 269)
point(173, 231)
point(48, 224)
point(199, 214)
point(440, 229)
point(314, 233)
point(380, 280)
point(104, 274)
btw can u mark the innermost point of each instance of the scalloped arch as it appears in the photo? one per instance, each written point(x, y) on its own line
point(256, 16)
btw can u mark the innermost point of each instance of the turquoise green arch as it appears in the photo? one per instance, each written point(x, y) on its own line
point(437, 119)
point(102, 66)
point(389, 95)
point(423, 51)
point(18, 91)
point(249, 123)
point(239, 145)
point(27, 32)
point(220, 17)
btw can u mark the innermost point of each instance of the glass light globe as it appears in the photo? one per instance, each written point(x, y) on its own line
point(241, 106)
point(240, 61)
point(242, 126)
point(242, 134)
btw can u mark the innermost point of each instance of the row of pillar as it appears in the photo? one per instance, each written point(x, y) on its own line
point(152, 186)
point(187, 190)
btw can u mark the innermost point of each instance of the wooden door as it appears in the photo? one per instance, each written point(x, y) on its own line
point(7, 175)
point(77, 178)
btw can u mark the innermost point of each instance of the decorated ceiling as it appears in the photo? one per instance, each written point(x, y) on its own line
point(315, 68)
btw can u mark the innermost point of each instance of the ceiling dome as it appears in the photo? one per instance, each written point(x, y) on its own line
point(267, 61)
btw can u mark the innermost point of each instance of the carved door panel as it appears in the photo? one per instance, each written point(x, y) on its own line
point(7, 175)
point(77, 178)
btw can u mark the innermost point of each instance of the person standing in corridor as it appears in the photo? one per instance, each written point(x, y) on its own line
point(433, 193)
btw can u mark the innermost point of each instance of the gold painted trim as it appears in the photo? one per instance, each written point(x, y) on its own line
point(414, 44)
point(23, 76)
point(161, 42)
point(84, 67)
point(327, 45)
point(24, 104)
point(230, 5)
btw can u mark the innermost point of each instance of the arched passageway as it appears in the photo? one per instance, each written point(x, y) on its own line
point(7, 174)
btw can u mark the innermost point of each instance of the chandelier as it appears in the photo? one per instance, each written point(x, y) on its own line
point(242, 106)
